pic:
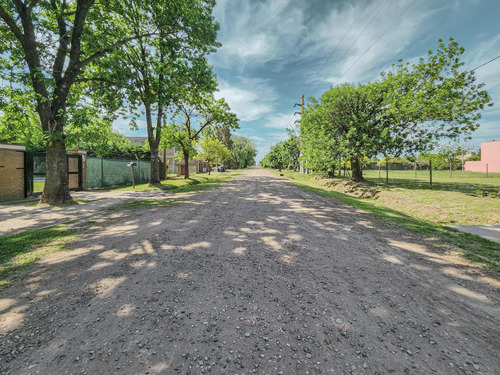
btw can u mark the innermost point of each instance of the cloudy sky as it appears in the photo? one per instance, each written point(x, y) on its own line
point(275, 50)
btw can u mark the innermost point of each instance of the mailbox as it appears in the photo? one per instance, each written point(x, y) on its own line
point(132, 164)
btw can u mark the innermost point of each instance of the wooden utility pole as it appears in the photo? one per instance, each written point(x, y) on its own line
point(301, 113)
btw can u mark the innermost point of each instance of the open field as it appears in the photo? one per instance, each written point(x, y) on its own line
point(456, 200)
point(413, 206)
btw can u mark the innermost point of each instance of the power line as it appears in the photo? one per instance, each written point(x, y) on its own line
point(355, 40)
point(338, 44)
point(486, 63)
point(381, 35)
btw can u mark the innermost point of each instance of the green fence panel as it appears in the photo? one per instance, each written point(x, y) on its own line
point(107, 172)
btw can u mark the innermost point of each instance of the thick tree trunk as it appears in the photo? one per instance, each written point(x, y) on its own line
point(357, 171)
point(56, 190)
point(186, 165)
point(154, 179)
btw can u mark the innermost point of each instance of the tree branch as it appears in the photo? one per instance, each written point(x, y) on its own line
point(63, 42)
point(11, 24)
point(96, 79)
point(101, 53)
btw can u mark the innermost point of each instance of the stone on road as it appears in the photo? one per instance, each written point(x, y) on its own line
point(259, 277)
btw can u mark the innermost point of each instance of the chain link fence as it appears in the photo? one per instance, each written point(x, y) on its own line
point(106, 172)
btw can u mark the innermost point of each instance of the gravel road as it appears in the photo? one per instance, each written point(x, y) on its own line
point(259, 277)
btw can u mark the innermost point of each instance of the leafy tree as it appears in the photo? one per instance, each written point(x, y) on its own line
point(403, 113)
point(243, 152)
point(319, 150)
point(158, 69)
point(45, 46)
point(274, 158)
point(194, 116)
point(212, 149)
point(18, 120)
point(430, 100)
point(349, 116)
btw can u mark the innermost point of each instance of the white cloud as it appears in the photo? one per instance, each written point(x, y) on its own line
point(257, 32)
point(122, 126)
point(250, 99)
point(280, 121)
point(362, 54)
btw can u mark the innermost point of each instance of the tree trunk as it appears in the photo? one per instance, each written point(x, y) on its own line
point(154, 179)
point(357, 171)
point(186, 165)
point(56, 190)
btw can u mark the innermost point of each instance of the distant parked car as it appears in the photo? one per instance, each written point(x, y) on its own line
point(220, 168)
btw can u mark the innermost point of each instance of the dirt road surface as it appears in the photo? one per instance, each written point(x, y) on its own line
point(259, 277)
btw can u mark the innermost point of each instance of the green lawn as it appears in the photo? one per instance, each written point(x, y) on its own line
point(20, 251)
point(410, 204)
point(178, 182)
point(38, 185)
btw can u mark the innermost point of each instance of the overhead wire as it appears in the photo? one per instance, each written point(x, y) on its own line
point(339, 43)
point(359, 36)
point(486, 63)
point(365, 5)
point(376, 40)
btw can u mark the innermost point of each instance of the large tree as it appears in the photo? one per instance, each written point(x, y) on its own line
point(243, 152)
point(45, 46)
point(196, 115)
point(402, 113)
point(212, 149)
point(153, 72)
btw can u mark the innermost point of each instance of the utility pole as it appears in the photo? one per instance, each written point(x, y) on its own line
point(301, 113)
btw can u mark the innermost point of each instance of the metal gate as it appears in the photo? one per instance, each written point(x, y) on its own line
point(35, 168)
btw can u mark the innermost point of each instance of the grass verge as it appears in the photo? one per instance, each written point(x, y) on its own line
point(192, 185)
point(22, 250)
point(472, 247)
point(177, 182)
point(143, 203)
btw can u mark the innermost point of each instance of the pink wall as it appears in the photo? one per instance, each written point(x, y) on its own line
point(490, 154)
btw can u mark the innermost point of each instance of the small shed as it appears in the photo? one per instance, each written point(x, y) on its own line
point(12, 184)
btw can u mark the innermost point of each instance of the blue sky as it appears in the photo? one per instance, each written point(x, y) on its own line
point(275, 50)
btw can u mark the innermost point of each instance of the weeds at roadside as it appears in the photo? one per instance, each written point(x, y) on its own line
point(143, 203)
point(472, 247)
point(21, 251)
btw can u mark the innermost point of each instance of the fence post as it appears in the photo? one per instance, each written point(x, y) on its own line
point(486, 169)
point(102, 172)
point(430, 172)
point(387, 171)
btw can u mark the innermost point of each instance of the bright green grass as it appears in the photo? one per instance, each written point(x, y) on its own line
point(143, 203)
point(22, 250)
point(465, 182)
point(472, 247)
point(180, 182)
point(38, 185)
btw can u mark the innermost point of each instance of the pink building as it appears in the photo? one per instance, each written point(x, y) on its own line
point(490, 159)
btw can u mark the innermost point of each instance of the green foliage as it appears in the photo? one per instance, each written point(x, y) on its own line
point(197, 115)
point(19, 122)
point(242, 153)
point(212, 149)
point(405, 112)
point(18, 251)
